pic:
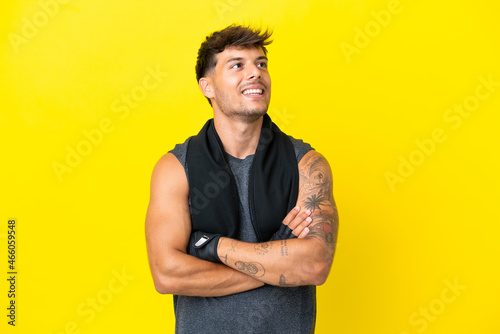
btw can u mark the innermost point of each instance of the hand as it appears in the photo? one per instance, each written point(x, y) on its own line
point(294, 225)
point(204, 246)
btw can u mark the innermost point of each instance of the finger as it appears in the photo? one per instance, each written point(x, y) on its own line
point(303, 233)
point(300, 228)
point(299, 219)
point(291, 215)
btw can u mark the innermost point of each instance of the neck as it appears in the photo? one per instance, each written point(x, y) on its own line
point(239, 139)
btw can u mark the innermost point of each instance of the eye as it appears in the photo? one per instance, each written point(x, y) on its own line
point(237, 65)
point(262, 64)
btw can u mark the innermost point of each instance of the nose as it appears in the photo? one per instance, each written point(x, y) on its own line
point(253, 72)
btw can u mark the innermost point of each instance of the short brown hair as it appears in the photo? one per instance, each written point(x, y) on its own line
point(233, 35)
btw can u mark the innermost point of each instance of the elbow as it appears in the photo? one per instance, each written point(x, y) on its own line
point(163, 286)
point(317, 267)
point(316, 272)
point(165, 282)
point(322, 274)
point(161, 289)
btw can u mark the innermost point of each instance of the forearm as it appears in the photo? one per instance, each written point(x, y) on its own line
point(291, 262)
point(186, 275)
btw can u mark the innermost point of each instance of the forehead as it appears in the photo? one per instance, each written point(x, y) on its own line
point(238, 52)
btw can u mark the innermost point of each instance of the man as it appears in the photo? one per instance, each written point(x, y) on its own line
point(241, 224)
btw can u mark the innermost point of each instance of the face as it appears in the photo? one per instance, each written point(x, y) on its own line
point(240, 85)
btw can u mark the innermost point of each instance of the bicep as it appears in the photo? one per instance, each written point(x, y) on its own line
point(168, 222)
point(316, 195)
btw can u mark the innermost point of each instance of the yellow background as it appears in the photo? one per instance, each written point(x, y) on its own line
point(398, 244)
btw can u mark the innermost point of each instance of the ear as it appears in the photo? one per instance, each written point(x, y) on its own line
point(206, 87)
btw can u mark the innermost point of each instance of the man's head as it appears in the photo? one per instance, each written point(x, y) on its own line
point(230, 63)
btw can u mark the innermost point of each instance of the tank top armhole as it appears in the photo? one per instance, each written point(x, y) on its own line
point(180, 152)
point(300, 147)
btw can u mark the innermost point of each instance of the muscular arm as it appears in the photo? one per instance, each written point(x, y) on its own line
point(294, 262)
point(168, 228)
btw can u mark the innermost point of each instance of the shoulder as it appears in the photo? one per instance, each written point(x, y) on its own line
point(300, 147)
point(167, 166)
point(168, 177)
point(314, 164)
point(180, 151)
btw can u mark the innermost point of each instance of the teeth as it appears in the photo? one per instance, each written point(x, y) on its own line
point(252, 91)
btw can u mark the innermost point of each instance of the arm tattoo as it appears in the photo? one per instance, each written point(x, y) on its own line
point(317, 194)
point(263, 248)
point(324, 227)
point(317, 180)
point(314, 202)
point(283, 282)
point(233, 244)
point(284, 248)
point(252, 268)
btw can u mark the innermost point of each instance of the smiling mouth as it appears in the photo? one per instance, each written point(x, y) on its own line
point(253, 92)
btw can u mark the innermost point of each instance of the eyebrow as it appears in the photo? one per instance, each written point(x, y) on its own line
point(241, 58)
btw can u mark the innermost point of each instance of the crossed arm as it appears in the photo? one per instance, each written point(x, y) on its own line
point(294, 262)
point(302, 261)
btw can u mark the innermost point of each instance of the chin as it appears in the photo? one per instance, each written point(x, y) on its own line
point(254, 115)
point(247, 115)
point(248, 118)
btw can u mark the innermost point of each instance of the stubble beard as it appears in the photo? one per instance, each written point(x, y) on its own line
point(240, 113)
